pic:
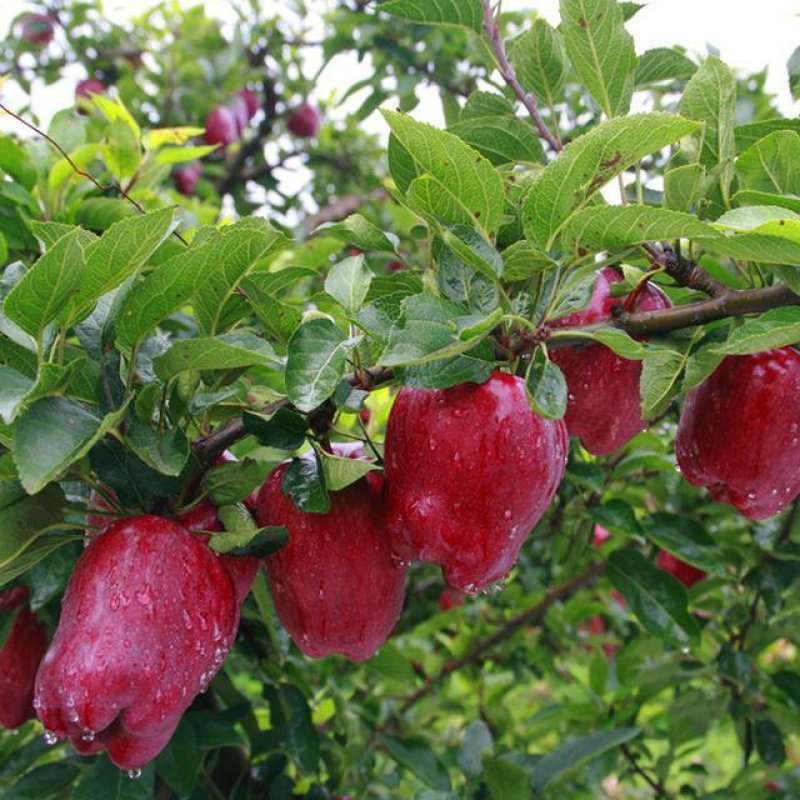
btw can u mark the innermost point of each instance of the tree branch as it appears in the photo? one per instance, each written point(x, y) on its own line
point(341, 208)
point(510, 77)
point(478, 653)
point(688, 273)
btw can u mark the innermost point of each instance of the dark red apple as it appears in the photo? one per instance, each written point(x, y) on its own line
point(469, 470)
point(19, 658)
point(221, 127)
point(147, 620)
point(37, 29)
point(304, 121)
point(685, 573)
point(84, 90)
point(185, 178)
point(251, 101)
point(604, 409)
point(335, 585)
point(739, 433)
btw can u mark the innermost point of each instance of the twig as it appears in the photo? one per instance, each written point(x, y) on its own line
point(111, 187)
point(659, 790)
point(529, 616)
point(341, 208)
point(528, 99)
point(688, 273)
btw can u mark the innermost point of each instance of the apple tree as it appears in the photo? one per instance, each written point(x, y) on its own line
point(461, 462)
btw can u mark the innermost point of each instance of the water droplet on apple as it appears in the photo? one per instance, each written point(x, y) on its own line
point(134, 774)
point(50, 738)
point(88, 736)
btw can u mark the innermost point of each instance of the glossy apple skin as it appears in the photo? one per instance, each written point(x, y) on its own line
point(185, 178)
point(37, 29)
point(221, 127)
point(304, 121)
point(469, 472)
point(685, 573)
point(147, 620)
point(242, 569)
point(603, 409)
point(739, 433)
point(19, 659)
point(335, 585)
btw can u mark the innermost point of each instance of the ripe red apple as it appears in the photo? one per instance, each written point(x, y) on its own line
point(449, 599)
point(469, 472)
point(147, 619)
point(596, 626)
point(37, 29)
point(84, 90)
point(685, 573)
point(336, 587)
point(604, 410)
point(221, 127)
point(739, 433)
point(251, 101)
point(304, 121)
point(600, 536)
point(19, 658)
point(185, 178)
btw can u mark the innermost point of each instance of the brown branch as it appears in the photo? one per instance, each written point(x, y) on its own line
point(111, 187)
point(528, 99)
point(341, 208)
point(689, 274)
point(478, 653)
point(659, 790)
point(731, 303)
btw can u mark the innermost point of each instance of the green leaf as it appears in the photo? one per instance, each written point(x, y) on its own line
point(24, 518)
point(684, 185)
point(776, 328)
point(304, 482)
point(284, 430)
point(166, 452)
point(360, 232)
point(41, 295)
point(52, 434)
point(601, 51)
point(39, 549)
point(477, 742)
point(232, 482)
point(789, 683)
point(474, 250)
point(710, 97)
point(523, 260)
point(247, 543)
point(280, 319)
point(614, 339)
point(14, 388)
point(292, 727)
point(124, 248)
point(754, 247)
point(576, 753)
point(180, 155)
point(104, 781)
point(179, 762)
point(659, 381)
point(419, 759)
point(539, 61)
point(348, 283)
point(769, 164)
point(122, 151)
point(316, 362)
point(228, 351)
point(793, 68)
point(663, 64)
point(769, 742)
point(588, 163)
point(341, 471)
point(657, 598)
point(617, 227)
point(506, 780)
point(546, 385)
point(46, 782)
point(467, 13)
point(470, 184)
point(686, 538)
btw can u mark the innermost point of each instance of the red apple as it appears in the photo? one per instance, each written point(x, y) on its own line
point(685, 573)
point(335, 585)
point(739, 433)
point(221, 127)
point(469, 472)
point(449, 599)
point(37, 29)
point(147, 620)
point(251, 101)
point(604, 409)
point(304, 121)
point(19, 658)
point(185, 178)
point(600, 536)
point(84, 90)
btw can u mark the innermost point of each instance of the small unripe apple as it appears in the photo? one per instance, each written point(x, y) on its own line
point(185, 178)
point(739, 433)
point(221, 127)
point(685, 573)
point(37, 29)
point(304, 121)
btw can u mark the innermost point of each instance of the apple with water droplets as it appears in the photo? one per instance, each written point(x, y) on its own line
point(739, 432)
point(147, 620)
point(603, 408)
point(469, 472)
point(19, 658)
point(335, 585)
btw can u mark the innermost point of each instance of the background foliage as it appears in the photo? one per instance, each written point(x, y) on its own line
point(125, 342)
